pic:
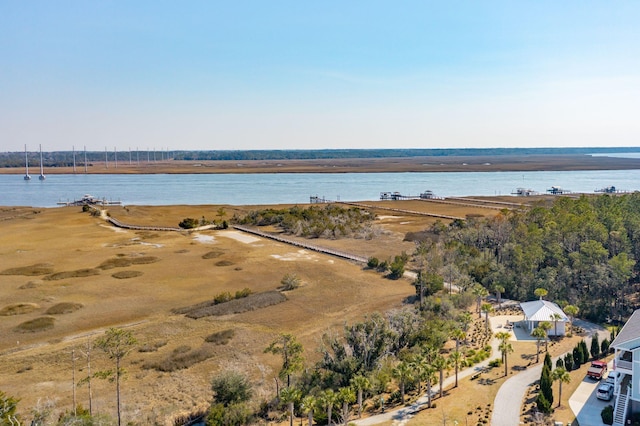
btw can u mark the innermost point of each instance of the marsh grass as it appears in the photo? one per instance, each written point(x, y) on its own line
point(31, 270)
point(152, 347)
point(224, 263)
point(236, 306)
point(182, 357)
point(64, 308)
point(18, 309)
point(35, 325)
point(220, 337)
point(78, 273)
point(212, 254)
point(126, 274)
point(123, 262)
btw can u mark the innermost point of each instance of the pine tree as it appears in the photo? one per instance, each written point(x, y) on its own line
point(585, 351)
point(547, 361)
point(595, 346)
point(568, 361)
point(543, 405)
point(546, 384)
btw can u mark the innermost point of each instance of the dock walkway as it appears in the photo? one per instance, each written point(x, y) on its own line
point(337, 253)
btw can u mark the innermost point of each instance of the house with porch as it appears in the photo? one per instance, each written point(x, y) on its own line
point(626, 370)
point(538, 311)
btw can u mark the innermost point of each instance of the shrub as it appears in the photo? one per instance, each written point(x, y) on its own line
point(64, 308)
point(607, 415)
point(220, 337)
point(189, 223)
point(373, 262)
point(495, 363)
point(35, 325)
point(290, 282)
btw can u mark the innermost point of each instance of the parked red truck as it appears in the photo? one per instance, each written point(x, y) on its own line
point(597, 370)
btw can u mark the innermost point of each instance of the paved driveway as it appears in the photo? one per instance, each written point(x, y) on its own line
point(585, 405)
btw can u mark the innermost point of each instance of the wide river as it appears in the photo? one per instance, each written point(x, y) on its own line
point(277, 188)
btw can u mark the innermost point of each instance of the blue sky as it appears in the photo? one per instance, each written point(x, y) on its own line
point(316, 75)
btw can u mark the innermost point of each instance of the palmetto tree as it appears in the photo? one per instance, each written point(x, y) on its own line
point(429, 376)
point(457, 358)
point(540, 292)
point(562, 376)
point(546, 326)
point(346, 396)
point(404, 373)
point(308, 404)
point(504, 347)
point(327, 399)
point(290, 396)
point(539, 335)
point(555, 317)
point(441, 363)
point(486, 308)
point(360, 383)
point(480, 292)
point(572, 311)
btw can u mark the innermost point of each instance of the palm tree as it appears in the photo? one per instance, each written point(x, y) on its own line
point(486, 308)
point(457, 358)
point(499, 289)
point(308, 404)
point(327, 399)
point(555, 317)
point(540, 292)
point(465, 320)
point(562, 376)
point(441, 363)
point(404, 373)
point(429, 377)
point(347, 396)
point(572, 311)
point(540, 335)
point(360, 383)
point(480, 292)
point(546, 326)
point(458, 335)
point(505, 347)
point(290, 396)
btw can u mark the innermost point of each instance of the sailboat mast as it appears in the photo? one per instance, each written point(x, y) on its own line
point(42, 176)
point(26, 164)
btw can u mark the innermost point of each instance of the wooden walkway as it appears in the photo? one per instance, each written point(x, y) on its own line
point(391, 209)
point(313, 247)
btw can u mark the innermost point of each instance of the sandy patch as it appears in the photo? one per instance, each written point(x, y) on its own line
point(204, 239)
point(383, 217)
point(299, 255)
point(114, 228)
point(239, 236)
point(405, 223)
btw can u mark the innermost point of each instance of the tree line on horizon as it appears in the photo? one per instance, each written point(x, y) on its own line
point(123, 156)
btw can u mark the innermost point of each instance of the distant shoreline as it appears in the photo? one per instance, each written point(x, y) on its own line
point(499, 163)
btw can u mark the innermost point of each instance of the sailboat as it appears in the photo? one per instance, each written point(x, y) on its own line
point(26, 164)
point(42, 176)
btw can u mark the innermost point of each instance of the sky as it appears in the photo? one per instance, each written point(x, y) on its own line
point(236, 75)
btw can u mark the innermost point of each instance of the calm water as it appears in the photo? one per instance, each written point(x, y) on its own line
point(293, 188)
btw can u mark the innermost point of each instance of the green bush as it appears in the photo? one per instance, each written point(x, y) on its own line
point(373, 262)
point(607, 415)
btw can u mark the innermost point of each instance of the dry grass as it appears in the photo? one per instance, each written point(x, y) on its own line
point(236, 306)
point(35, 325)
point(18, 309)
point(175, 274)
point(121, 275)
point(64, 308)
point(181, 358)
point(221, 337)
point(78, 273)
point(30, 271)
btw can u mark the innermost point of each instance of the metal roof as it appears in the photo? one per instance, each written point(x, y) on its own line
point(629, 333)
point(542, 310)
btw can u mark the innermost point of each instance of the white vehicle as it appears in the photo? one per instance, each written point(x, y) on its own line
point(611, 378)
point(605, 392)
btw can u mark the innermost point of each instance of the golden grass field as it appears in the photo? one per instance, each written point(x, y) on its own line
point(77, 275)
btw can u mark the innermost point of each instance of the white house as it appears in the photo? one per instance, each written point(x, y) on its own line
point(538, 311)
point(626, 370)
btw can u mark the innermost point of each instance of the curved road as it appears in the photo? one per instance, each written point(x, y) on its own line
point(508, 402)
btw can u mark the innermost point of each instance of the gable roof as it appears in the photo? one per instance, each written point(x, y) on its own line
point(541, 310)
point(630, 333)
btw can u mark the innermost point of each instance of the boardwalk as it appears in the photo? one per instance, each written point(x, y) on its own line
point(337, 253)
